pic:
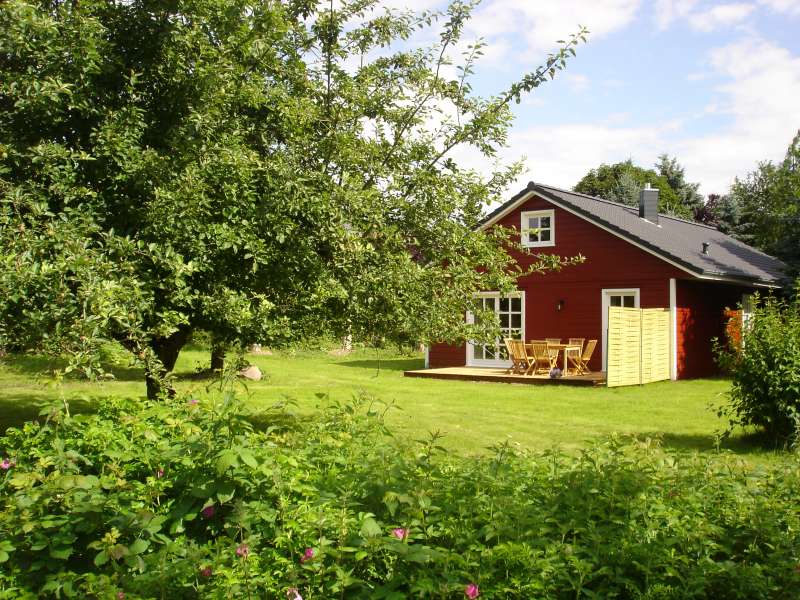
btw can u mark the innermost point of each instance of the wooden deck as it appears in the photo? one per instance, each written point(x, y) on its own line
point(500, 376)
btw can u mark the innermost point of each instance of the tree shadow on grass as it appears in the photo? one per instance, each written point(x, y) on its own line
point(389, 364)
point(17, 409)
point(744, 443)
point(43, 367)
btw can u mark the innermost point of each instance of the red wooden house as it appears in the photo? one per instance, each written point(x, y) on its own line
point(636, 258)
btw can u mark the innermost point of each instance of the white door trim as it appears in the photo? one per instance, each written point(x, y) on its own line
point(471, 360)
point(605, 293)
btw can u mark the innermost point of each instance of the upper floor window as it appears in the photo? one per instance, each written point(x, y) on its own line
point(538, 228)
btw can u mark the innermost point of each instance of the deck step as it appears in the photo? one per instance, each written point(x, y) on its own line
point(496, 375)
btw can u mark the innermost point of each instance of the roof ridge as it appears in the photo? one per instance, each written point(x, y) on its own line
point(621, 205)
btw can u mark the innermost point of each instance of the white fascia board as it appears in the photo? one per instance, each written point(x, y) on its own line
point(511, 208)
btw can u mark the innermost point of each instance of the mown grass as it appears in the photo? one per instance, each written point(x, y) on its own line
point(472, 416)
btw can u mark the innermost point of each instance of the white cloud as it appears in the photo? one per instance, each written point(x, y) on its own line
point(760, 98)
point(561, 154)
point(576, 82)
point(668, 11)
point(538, 25)
point(721, 15)
point(791, 7)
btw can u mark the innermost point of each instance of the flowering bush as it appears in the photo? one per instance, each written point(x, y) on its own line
point(115, 505)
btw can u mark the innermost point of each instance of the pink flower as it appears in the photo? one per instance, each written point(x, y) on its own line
point(307, 555)
point(6, 464)
point(293, 594)
point(160, 473)
point(472, 591)
point(206, 572)
point(208, 511)
point(243, 551)
point(192, 401)
point(400, 533)
point(120, 595)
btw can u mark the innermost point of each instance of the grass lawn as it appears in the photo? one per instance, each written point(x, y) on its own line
point(472, 415)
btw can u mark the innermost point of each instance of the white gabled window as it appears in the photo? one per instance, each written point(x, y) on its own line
point(538, 228)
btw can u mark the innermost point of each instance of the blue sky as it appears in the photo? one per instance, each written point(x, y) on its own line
point(716, 84)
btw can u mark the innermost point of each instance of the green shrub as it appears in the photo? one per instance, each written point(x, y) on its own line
point(765, 368)
point(185, 500)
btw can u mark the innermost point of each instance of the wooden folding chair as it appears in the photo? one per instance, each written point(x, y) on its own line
point(582, 364)
point(553, 350)
point(542, 358)
point(521, 363)
point(573, 357)
point(576, 342)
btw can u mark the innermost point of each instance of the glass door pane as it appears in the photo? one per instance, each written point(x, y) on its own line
point(510, 318)
point(487, 351)
point(508, 311)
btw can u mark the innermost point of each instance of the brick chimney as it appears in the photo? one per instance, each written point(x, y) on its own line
point(648, 204)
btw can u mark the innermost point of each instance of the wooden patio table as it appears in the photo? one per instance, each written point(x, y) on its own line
point(565, 348)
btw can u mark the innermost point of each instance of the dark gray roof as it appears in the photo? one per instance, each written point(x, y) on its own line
point(673, 239)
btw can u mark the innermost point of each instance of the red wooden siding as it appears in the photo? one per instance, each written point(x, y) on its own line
point(701, 317)
point(445, 355)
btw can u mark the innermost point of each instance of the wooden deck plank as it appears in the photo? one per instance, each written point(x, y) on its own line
point(500, 376)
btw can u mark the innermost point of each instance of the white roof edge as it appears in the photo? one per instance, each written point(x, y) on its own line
point(511, 208)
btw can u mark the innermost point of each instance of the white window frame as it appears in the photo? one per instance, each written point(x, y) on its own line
point(524, 229)
point(471, 360)
point(605, 295)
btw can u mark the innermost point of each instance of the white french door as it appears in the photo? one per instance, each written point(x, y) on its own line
point(510, 313)
point(627, 298)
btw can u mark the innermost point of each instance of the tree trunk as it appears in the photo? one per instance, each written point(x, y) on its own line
point(167, 350)
point(217, 357)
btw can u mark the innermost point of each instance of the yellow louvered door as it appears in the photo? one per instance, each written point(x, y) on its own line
point(638, 345)
point(655, 344)
point(624, 353)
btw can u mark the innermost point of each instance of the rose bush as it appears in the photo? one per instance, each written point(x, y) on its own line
point(335, 507)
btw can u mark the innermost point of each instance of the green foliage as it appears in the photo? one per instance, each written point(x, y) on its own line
point(257, 172)
point(769, 201)
point(180, 500)
point(689, 198)
point(722, 212)
point(621, 182)
point(765, 369)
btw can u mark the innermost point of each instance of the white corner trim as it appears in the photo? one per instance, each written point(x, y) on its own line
point(673, 329)
point(427, 356)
